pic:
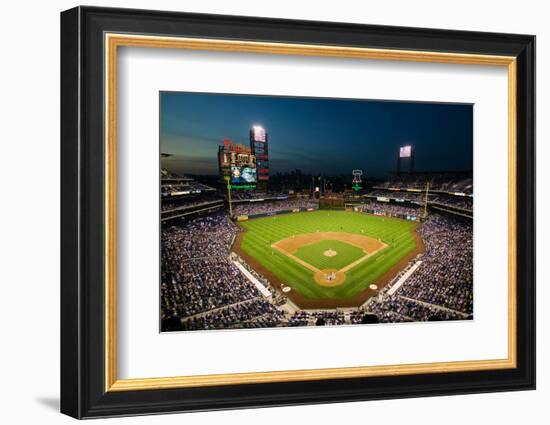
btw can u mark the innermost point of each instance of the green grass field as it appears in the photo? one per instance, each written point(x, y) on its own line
point(262, 232)
point(314, 254)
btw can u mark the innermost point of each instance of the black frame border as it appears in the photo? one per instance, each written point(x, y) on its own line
point(82, 212)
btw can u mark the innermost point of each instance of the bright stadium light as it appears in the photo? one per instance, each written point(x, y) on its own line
point(405, 151)
point(258, 132)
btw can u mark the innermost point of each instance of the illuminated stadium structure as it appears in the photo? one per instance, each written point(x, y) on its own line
point(245, 254)
point(260, 148)
point(406, 153)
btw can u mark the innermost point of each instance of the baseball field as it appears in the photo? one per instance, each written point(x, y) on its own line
point(328, 255)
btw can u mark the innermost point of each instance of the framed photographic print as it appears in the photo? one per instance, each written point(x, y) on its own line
point(261, 212)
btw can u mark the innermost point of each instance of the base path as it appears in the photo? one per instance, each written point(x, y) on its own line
point(293, 243)
point(329, 277)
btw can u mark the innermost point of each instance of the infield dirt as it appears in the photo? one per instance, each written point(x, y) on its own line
point(329, 277)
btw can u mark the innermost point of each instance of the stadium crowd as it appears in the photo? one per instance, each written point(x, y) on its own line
point(201, 237)
point(187, 204)
point(255, 313)
point(184, 187)
point(445, 182)
point(445, 277)
point(392, 306)
point(409, 196)
point(441, 288)
point(464, 202)
point(390, 209)
point(452, 201)
point(268, 207)
point(251, 195)
point(199, 279)
point(329, 318)
point(382, 315)
point(198, 285)
point(203, 289)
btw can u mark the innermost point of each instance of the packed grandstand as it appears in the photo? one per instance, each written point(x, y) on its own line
point(205, 284)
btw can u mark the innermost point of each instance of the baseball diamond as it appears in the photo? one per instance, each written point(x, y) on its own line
point(362, 250)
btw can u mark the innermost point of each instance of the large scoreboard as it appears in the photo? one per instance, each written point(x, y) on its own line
point(237, 165)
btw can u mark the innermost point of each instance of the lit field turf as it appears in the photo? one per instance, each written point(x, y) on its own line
point(314, 254)
point(261, 233)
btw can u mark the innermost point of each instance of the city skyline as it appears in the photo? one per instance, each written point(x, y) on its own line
point(316, 135)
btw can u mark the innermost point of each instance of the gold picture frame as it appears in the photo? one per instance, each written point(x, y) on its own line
point(114, 41)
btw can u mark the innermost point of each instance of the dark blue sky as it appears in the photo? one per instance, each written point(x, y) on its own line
point(316, 135)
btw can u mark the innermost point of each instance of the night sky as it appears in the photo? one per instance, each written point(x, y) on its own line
point(315, 135)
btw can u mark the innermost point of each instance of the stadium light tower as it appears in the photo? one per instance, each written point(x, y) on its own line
point(405, 152)
point(426, 200)
point(259, 147)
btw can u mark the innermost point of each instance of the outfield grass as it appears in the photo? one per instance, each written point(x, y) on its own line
point(314, 254)
point(262, 232)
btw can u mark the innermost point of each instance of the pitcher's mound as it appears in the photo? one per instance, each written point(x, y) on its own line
point(330, 253)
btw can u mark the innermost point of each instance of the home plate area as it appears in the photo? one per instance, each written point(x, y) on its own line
point(329, 255)
point(329, 277)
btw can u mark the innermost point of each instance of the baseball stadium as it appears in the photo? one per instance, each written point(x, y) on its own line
point(247, 242)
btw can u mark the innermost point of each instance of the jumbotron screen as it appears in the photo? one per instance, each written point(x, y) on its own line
point(258, 133)
point(243, 175)
point(405, 152)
